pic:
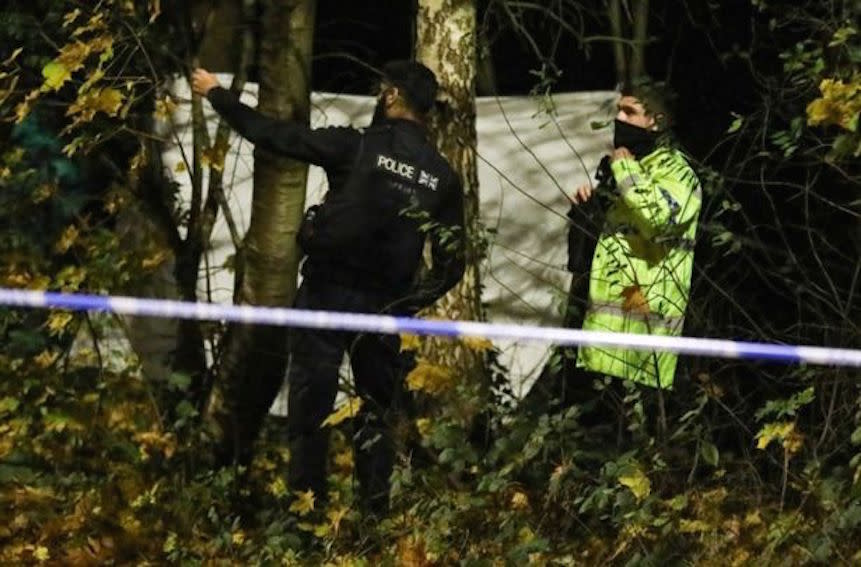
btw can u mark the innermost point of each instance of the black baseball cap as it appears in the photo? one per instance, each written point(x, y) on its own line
point(417, 82)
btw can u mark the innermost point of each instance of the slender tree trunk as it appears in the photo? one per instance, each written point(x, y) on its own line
point(629, 49)
point(446, 43)
point(254, 357)
point(614, 11)
point(638, 48)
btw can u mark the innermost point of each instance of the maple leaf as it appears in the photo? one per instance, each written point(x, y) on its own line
point(347, 410)
point(430, 378)
point(784, 431)
point(214, 155)
point(634, 300)
point(304, 502)
point(88, 104)
point(410, 342)
point(58, 321)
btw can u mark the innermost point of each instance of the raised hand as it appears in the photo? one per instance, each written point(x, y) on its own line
point(202, 81)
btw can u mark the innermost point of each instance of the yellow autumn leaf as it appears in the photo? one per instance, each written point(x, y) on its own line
point(344, 460)
point(39, 283)
point(519, 501)
point(409, 342)
point(839, 104)
point(412, 552)
point(237, 537)
point(154, 260)
point(41, 553)
point(164, 108)
point(179, 167)
point(67, 239)
point(55, 74)
point(336, 516)
point(94, 78)
point(477, 344)
point(793, 442)
point(423, 424)
point(58, 321)
point(43, 192)
point(96, 22)
point(22, 110)
point(17, 279)
point(9, 60)
point(346, 411)
point(46, 358)
point(775, 431)
point(753, 518)
point(693, 526)
point(154, 440)
point(107, 101)
point(637, 482)
point(70, 278)
point(277, 488)
point(304, 502)
point(71, 17)
point(213, 157)
point(430, 378)
point(634, 300)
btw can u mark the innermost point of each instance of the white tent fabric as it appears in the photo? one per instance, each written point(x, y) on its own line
point(529, 157)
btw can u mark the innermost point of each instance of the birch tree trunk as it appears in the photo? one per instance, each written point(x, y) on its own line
point(254, 357)
point(446, 43)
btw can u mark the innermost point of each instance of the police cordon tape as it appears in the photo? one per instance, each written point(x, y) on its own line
point(331, 320)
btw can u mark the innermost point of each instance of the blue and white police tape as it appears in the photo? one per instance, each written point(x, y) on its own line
point(720, 348)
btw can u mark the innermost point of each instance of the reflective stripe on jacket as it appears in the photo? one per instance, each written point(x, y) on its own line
point(641, 270)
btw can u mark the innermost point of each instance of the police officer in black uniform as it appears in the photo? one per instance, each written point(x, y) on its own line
point(389, 190)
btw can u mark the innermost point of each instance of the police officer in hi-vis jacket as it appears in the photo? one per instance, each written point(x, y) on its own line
point(637, 267)
point(389, 190)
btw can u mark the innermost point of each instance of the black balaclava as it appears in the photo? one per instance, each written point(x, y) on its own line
point(640, 141)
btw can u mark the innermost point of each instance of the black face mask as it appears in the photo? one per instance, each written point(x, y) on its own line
point(640, 141)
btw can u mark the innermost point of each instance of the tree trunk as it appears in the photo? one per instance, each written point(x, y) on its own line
point(614, 11)
point(253, 362)
point(446, 43)
point(629, 48)
point(638, 48)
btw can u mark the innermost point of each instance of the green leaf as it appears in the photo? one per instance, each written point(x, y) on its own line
point(637, 482)
point(709, 453)
point(179, 381)
point(736, 123)
point(786, 407)
point(8, 405)
point(842, 35)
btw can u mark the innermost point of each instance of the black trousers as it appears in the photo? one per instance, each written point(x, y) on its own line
point(315, 359)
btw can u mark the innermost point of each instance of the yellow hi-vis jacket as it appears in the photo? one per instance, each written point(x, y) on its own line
point(640, 277)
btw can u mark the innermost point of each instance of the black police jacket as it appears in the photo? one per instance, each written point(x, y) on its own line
point(389, 190)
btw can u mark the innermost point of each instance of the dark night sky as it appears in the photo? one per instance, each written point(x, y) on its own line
point(688, 50)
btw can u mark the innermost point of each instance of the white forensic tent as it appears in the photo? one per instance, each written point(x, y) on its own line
point(528, 159)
